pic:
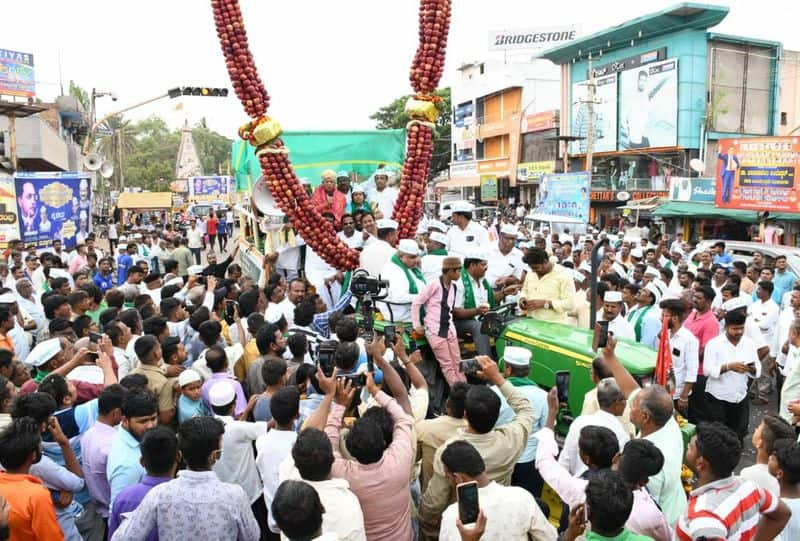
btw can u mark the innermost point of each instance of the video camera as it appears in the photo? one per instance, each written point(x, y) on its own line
point(362, 284)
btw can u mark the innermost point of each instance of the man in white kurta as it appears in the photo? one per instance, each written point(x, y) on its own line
point(403, 273)
point(505, 260)
point(612, 312)
point(465, 235)
point(378, 250)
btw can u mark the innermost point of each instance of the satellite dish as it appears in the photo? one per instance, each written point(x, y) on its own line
point(107, 169)
point(623, 196)
point(697, 165)
point(93, 162)
point(262, 197)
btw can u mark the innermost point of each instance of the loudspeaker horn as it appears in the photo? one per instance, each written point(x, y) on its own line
point(107, 169)
point(93, 162)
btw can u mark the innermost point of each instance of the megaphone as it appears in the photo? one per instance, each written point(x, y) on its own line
point(107, 169)
point(697, 165)
point(262, 198)
point(93, 162)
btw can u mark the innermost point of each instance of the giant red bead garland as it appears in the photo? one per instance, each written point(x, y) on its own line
point(289, 194)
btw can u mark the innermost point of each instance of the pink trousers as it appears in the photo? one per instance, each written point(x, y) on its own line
point(448, 355)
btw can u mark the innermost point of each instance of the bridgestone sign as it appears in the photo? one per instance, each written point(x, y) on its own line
point(531, 38)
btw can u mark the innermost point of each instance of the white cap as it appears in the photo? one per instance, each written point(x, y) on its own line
point(619, 269)
point(528, 245)
point(508, 229)
point(422, 228)
point(43, 352)
point(637, 253)
point(652, 271)
point(273, 313)
point(7, 298)
point(122, 246)
point(477, 253)
point(584, 266)
point(123, 238)
point(521, 236)
point(195, 270)
point(137, 236)
point(408, 246)
point(462, 206)
point(436, 224)
point(578, 276)
point(655, 290)
point(189, 376)
point(734, 304)
point(386, 223)
point(612, 296)
point(305, 181)
point(59, 273)
point(441, 238)
point(221, 393)
point(358, 188)
point(517, 356)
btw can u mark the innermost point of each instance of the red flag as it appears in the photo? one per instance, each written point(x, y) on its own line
point(664, 357)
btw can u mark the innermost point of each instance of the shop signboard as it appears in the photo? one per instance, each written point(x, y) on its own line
point(696, 190)
point(461, 170)
point(614, 196)
point(488, 188)
point(16, 74)
point(210, 185)
point(758, 173)
point(565, 194)
point(53, 206)
point(605, 115)
point(648, 106)
point(533, 171)
point(545, 120)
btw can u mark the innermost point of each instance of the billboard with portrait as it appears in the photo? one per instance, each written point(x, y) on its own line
point(605, 115)
point(759, 173)
point(9, 230)
point(565, 194)
point(209, 185)
point(648, 106)
point(53, 206)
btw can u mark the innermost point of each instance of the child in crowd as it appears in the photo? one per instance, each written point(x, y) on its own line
point(190, 404)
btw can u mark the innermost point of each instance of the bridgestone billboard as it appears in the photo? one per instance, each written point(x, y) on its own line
point(531, 38)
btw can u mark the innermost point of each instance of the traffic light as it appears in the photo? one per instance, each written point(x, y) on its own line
point(198, 91)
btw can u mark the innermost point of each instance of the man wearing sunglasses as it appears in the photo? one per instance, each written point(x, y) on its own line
point(431, 315)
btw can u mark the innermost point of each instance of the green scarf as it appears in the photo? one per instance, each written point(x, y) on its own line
point(637, 324)
point(520, 382)
point(438, 251)
point(469, 295)
point(363, 206)
point(346, 283)
point(412, 284)
point(40, 375)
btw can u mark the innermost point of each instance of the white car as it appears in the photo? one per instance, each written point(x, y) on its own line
point(743, 251)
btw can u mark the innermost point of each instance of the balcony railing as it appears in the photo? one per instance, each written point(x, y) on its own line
point(633, 184)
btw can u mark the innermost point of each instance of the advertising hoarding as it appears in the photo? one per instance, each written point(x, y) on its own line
point(605, 115)
point(758, 173)
point(533, 171)
point(209, 185)
point(565, 194)
point(696, 190)
point(532, 38)
point(16, 74)
point(488, 188)
point(648, 106)
point(53, 206)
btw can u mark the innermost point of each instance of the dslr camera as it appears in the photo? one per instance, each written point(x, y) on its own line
point(362, 284)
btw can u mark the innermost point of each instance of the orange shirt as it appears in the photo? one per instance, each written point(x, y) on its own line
point(32, 514)
point(6, 343)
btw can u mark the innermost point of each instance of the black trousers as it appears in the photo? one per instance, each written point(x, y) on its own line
point(527, 476)
point(734, 416)
point(697, 402)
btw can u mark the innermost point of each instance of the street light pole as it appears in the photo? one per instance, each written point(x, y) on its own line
point(95, 125)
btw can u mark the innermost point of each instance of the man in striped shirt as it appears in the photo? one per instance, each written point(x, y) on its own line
point(723, 506)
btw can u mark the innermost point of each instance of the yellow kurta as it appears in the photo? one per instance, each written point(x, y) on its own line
point(557, 287)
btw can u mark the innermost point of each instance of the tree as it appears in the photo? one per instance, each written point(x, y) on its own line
point(79, 93)
point(394, 116)
point(214, 149)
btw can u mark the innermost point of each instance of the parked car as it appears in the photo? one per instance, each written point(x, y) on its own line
point(478, 213)
point(744, 250)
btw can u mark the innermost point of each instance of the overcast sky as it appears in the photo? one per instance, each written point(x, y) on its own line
point(327, 64)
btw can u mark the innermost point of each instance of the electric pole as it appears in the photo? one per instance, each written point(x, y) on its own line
point(590, 103)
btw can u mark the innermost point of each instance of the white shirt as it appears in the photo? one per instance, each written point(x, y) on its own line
point(462, 241)
point(237, 465)
point(289, 256)
point(620, 327)
point(478, 291)
point(569, 457)
point(511, 515)
point(317, 269)
point(685, 349)
point(195, 237)
point(375, 255)
point(501, 266)
point(287, 307)
point(765, 315)
point(124, 362)
point(759, 474)
point(355, 241)
point(729, 386)
point(785, 321)
point(343, 516)
point(399, 294)
point(272, 448)
point(385, 200)
point(112, 231)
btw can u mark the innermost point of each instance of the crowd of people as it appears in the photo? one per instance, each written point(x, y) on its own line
point(145, 394)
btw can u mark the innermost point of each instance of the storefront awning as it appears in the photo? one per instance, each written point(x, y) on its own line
point(688, 209)
point(642, 204)
point(145, 200)
point(459, 182)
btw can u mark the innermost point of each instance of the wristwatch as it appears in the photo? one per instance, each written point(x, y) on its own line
point(547, 305)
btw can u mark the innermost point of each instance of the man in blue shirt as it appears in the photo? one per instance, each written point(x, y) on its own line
point(103, 278)
point(139, 414)
point(124, 262)
point(721, 257)
point(516, 366)
point(784, 279)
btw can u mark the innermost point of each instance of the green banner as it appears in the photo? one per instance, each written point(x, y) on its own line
point(311, 152)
